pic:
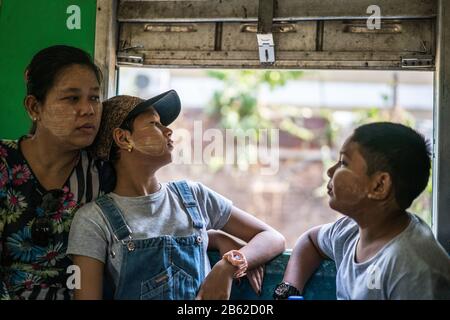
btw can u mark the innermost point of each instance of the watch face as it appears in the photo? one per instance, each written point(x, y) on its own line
point(281, 291)
point(284, 290)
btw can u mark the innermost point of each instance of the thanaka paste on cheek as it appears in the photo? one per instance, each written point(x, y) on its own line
point(152, 143)
point(59, 120)
point(346, 189)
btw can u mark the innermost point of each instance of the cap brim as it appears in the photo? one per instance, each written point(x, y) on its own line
point(167, 105)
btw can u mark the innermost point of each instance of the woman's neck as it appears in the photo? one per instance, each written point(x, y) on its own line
point(48, 155)
point(51, 163)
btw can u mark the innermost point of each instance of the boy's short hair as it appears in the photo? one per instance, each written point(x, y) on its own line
point(400, 151)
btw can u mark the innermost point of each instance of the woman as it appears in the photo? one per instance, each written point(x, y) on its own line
point(63, 101)
point(143, 220)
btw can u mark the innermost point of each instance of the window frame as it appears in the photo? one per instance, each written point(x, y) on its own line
point(111, 12)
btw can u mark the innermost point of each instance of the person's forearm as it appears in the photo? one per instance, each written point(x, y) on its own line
point(223, 242)
point(263, 247)
point(91, 272)
point(304, 260)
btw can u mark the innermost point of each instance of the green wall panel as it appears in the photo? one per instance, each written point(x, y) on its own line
point(26, 26)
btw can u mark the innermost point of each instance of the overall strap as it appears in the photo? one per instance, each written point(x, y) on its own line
point(114, 216)
point(189, 202)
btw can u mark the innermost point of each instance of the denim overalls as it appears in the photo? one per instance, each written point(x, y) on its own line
point(161, 268)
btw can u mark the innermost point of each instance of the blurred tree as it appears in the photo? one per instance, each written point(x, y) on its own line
point(236, 105)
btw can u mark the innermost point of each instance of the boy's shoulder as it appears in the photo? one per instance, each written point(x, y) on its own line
point(336, 238)
point(89, 210)
point(415, 237)
point(89, 215)
point(197, 188)
point(191, 184)
point(342, 229)
point(417, 247)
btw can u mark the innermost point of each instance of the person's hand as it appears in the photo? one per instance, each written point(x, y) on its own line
point(217, 285)
point(224, 243)
point(255, 278)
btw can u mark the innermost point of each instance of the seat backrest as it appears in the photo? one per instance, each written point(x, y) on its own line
point(322, 285)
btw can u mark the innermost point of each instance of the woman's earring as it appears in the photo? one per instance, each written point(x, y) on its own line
point(130, 148)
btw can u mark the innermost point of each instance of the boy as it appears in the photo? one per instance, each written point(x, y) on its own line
point(381, 251)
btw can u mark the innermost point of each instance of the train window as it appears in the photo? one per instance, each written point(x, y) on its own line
point(265, 138)
point(307, 35)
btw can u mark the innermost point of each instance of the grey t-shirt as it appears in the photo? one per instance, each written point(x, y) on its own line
point(411, 266)
point(158, 214)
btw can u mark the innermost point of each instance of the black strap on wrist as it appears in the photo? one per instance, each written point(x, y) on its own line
point(284, 290)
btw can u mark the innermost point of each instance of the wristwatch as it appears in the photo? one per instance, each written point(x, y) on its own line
point(237, 259)
point(284, 290)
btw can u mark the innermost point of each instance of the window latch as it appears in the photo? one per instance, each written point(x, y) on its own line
point(264, 36)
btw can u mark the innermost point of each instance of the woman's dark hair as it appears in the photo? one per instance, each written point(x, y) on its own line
point(400, 151)
point(48, 63)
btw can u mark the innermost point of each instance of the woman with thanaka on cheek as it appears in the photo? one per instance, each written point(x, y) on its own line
point(381, 250)
point(48, 166)
point(151, 237)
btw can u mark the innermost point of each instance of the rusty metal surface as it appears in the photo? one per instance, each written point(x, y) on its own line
point(305, 44)
point(441, 167)
point(415, 36)
point(332, 9)
point(285, 60)
point(306, 33)
point(199, 37)
point(265, 16)
point(285, 10)
point(301, 38)
point(212, 10)
point(105, 44)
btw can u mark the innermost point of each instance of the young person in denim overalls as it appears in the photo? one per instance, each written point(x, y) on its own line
point(148, 240)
